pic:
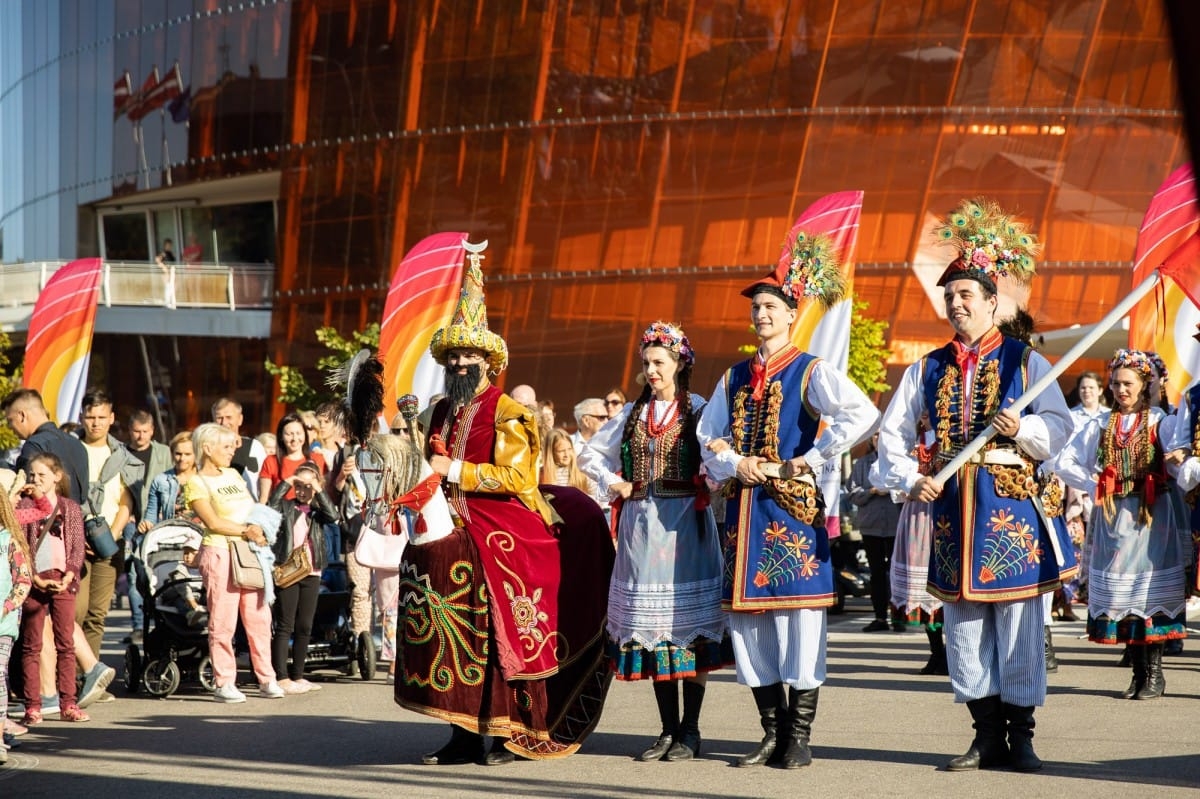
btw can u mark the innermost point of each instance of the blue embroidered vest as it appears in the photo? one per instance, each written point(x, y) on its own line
point(990, 542)
point(776, 549)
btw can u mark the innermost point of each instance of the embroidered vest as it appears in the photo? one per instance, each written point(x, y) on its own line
point(665, 466)
point(776, 547)
point(991, 542)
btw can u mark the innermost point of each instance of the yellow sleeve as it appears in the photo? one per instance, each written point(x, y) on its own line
point(515, 468)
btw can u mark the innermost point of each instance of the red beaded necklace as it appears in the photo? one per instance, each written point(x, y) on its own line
point(654, 428)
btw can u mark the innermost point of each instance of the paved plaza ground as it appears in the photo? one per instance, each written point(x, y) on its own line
point(881, 731)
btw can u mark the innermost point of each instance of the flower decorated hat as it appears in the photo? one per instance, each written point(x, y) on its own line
point(990, 243)
point(1135, 360)
point(468, 328)
point(810, 267)
point(670, 337)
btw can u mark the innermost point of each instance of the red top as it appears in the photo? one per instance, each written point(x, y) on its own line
point(270, 469)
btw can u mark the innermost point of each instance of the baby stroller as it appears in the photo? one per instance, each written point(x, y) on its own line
point(175, 636)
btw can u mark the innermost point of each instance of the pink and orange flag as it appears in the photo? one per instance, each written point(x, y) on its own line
point(1168, 241)
point(421, 299)
point(58, 347)
point(827, 333)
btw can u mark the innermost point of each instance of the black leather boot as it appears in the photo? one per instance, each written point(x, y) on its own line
point(937, 653)
point(463, 747)
point(1137, 659)
point(666, 696)
point(687, 743)
point(989, 749)
point(1051, 657)
point(1020, 738)
point(771, 707)
point(498, 756)
point(1156, 683)
point(802, 710)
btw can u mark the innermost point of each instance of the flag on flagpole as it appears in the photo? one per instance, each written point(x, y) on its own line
point(1167, 241)
point(58, 346)
point(122, 95)
point(420, 300)
point(135, 110)
point(826, 334)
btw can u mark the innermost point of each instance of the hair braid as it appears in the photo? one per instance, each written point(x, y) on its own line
point(635, 413)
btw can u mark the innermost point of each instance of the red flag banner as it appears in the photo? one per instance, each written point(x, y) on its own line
point(122, 94)
point(420, 300)
point(827, 333)
point(1167, 241)
point(58, 346)
point(138, 107)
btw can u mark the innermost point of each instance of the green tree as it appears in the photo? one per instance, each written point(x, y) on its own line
point(8, 384)
point(867, 362)
point(294, 389)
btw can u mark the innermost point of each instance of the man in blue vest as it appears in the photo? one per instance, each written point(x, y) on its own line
point(773, 420)
point(994, 550)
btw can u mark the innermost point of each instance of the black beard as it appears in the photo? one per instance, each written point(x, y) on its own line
point(461, 388)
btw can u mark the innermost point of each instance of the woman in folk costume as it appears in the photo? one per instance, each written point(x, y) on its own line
point(782, 415)
point(665, 621)
point(910, 562)
point(1137, 561)
point(502, 612)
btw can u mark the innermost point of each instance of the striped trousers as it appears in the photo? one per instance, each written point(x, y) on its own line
point(779, 646)
point(997, 648)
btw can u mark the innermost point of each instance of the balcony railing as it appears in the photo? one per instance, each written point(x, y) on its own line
point(220, 286)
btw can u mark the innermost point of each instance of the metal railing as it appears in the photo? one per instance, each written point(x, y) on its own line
point(226, 286)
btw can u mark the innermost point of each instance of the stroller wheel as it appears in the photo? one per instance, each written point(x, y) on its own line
point(161, 677)
point(133, 669)
point(365, 656)
point(204, 672)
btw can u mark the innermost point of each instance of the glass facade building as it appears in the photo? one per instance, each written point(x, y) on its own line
point(626, 160)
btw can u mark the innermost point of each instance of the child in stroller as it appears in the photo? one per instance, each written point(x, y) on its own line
point(175, 635)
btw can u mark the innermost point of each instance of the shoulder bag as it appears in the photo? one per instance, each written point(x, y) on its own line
point(244, 567)
point(378, 548)
point(294, 569)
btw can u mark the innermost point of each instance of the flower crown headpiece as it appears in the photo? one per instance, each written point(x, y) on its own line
point(1136, 360)
point(814, 269)
point(989, 241)
point(1160, 367)
point(671, 337)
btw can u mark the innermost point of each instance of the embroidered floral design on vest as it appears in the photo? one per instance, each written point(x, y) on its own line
point(1010, 548)
point(786, 556)
point(462, 648)
point(945, 551)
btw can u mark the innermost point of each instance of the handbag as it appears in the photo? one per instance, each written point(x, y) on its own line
point(297, 566)
point(244, 567)
point(99, 537)
point(378, 550)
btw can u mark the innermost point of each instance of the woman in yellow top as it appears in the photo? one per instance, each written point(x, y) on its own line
point(218, 496)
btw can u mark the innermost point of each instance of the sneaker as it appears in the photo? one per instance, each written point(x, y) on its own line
point(13, 728)
point(270, 690)
point(105, 696)
point(94, 683)
point(50, 705)
point(197, 618)
point(137, 637)
point(308, 686)
point(294, 687)
point(228, 694)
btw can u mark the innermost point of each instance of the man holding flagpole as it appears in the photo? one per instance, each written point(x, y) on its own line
point(994, 551)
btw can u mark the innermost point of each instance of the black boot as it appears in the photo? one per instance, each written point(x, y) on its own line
point(498, 756)
point(989, 749)
point(464, 747)
point(687, 744)
point(1155, 682)
point(1051, 658)
point(1020, 738)
point(1137, 658)
point(1126, 657)
point(937, 653)
point(666, 695)
point(771, 707)
point(802, 709)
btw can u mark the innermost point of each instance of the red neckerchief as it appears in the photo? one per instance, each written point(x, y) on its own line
point(758, 377)
point(966, 358)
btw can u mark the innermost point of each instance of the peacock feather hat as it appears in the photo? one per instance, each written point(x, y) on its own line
point(810, 267)
point(468, 328)
point(991, 244)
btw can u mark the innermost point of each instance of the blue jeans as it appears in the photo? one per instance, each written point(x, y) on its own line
point(136, 612)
